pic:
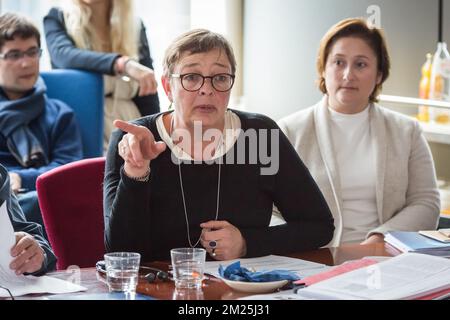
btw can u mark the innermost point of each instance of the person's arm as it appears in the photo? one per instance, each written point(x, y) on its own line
point(65, 55)
point(145, 57)
point(65, 146)
point(126, 202)
point(148, 104)
point(23, 228)
point(309, 223)
point(422, 204)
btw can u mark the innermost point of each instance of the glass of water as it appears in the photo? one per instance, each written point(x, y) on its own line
point(122, 271)
point(188, 265)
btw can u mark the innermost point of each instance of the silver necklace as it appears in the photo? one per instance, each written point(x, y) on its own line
point(182, 190)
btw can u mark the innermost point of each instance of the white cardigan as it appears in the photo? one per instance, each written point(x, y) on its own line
point(406, 190)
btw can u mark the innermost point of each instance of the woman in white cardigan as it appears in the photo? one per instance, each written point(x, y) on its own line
point(373, 165)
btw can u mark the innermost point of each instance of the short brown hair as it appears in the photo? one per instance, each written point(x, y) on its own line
point(358, 28)
point(196, 41)
point(13, 25)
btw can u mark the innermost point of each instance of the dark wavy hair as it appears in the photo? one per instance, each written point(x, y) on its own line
point(13, 25)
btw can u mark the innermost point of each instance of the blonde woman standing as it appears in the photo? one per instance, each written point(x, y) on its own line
point(104, 36)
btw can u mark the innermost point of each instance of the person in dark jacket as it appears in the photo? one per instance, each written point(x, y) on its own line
point(104, 37)
point(31, 253)
point(205, 175)
point(37, 134)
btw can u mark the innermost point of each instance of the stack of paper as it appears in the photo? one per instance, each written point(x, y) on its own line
point(407, 276)
point(414, 242)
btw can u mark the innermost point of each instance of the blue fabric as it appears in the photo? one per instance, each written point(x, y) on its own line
point(56, 131)
point(15, 116)
point(84, 96)
point(19, 222)
point(237, 273)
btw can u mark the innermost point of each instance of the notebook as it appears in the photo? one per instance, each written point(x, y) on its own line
point(436, 235)
point(445, 232)
point(407, 241)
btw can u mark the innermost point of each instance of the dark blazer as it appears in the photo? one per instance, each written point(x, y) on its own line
point(19, 222)
point(65, 55)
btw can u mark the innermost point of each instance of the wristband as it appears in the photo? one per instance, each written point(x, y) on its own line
point(144, 178)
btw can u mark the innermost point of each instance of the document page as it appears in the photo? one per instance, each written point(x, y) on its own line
point(7, 241)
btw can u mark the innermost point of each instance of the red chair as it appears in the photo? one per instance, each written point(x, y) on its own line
point(71, 201)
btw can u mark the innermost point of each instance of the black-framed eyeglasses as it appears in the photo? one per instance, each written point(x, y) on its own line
point(192, 82)
point(15, 55)
point(9, 292)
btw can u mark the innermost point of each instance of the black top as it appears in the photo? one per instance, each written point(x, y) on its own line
point(19, 223)
point(148, 217)
point(65, 55)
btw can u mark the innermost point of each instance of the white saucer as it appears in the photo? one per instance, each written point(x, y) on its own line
point(255, 287)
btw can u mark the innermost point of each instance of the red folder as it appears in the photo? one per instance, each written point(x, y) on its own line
point(335, 271)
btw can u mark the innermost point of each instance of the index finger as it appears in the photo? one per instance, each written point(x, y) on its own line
point(127, 127)
point(23, 244)
point(216, 234)
point(215, 225)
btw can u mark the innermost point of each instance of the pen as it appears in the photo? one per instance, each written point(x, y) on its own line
point(299, 286)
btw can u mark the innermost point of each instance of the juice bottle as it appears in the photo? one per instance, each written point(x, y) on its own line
point(440, 84)
point(424, 88)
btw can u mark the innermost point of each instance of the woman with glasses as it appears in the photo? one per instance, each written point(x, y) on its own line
point(373, 165)
point(104, 37)
point(205, 175)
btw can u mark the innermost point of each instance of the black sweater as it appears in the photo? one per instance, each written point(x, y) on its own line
point(65, 55)
point(148, 217)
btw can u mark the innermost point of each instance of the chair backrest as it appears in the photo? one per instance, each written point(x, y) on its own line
point(71, 201)
point(83, 92)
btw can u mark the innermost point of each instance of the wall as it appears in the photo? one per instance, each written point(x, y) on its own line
point(224, 17)
point(441, 156)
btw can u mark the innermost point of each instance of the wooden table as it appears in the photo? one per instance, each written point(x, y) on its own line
point(213, 288)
